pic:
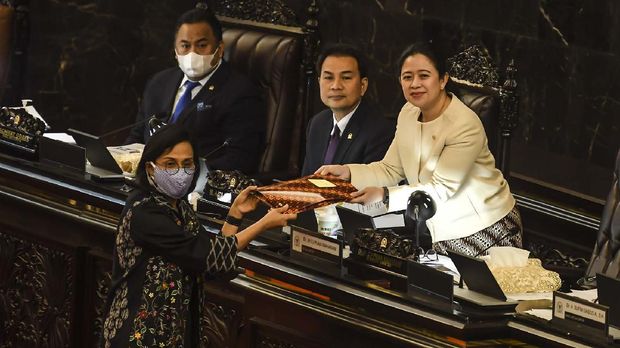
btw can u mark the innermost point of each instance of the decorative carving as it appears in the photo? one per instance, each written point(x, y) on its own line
point(475, 66)
point(311, 39)
point(35, 295)
point(310, 52)
point(508, 115)
point(509, 101)
point(219, 326)
point(555, 257)
point(384, 248)
point(266, 11)
point(19, 129)
point(227, 181)
point(102, 283)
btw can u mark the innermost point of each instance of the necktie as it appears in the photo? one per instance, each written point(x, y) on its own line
point(332, 146)
point(186, 97)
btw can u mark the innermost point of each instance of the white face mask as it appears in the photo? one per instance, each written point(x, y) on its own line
point(196, 65)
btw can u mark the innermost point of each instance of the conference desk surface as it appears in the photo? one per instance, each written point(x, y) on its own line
point(56, 238)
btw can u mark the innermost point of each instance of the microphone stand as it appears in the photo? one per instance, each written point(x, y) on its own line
point(506, 235)
point(148, 119)
point(418, 224)
point(201, 181)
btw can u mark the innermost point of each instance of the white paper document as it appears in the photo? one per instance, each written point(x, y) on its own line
point(376, 209)
point(64, 137)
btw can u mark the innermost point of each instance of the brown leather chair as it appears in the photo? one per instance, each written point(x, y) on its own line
point(474, 80)
point(485, 103)
point(272, 57)
point(605, 257)
point(6, 20)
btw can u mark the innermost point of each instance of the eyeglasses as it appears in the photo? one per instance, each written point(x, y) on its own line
point(172, 168)
point(429, 255)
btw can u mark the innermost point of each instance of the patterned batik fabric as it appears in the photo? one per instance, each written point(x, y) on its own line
point(474, 244)
point(306, 193)
point(150, 296)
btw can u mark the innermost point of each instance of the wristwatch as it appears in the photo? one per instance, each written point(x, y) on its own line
point(231, 220)
point(386, 196)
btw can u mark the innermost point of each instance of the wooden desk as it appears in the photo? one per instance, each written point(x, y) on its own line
point(56, 238)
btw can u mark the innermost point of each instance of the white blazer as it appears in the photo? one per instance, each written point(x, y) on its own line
point(460, 174)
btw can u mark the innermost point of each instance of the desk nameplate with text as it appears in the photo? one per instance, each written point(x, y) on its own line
point(577, 315)
point(315, 249)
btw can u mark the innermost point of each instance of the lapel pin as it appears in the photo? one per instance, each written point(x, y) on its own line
point(211, 87)
point(350, 136)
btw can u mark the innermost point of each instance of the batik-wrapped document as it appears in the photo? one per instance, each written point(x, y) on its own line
point(309, 192)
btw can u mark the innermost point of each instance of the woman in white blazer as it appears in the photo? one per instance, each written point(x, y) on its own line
point(441, 148)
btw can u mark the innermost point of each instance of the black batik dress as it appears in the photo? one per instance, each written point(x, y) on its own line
point(161, 258)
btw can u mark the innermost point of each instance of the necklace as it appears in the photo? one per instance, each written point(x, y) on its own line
point(444, 106)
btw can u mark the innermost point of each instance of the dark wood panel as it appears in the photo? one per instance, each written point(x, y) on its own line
point(56, 242)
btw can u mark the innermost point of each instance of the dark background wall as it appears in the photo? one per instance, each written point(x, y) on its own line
point(89, 61)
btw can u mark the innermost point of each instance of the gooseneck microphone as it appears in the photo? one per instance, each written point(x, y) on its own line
point(506, 235)
point(420, 207)
point(201, 181)
point(154, 122)
point(224, 145)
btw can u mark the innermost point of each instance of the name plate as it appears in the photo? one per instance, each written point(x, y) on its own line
point(579, 316)
point(20, 130)
point(316, 246)
point(382, 260)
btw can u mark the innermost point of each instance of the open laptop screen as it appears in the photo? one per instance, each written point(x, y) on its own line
point(477, 275)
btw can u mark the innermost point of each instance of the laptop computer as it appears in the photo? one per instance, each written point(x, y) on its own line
point(102, 164)
point(478, 277)
point(351, 221)
point(608, 289)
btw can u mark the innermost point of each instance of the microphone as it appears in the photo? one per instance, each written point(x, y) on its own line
point(225, 144)
point(153, 121)
point(506, 235)
point(202, 179)
point(420, 207)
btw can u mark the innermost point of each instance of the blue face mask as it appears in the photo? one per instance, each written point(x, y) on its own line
point(172, 185)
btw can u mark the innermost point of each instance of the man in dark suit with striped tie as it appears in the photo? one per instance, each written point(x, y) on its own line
point(352, 130)
point(204, 95)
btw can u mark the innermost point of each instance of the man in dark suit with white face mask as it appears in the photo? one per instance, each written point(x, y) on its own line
point(206, 97)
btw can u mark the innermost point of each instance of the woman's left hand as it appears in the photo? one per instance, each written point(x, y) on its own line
point(368, 195)
point(244, 203)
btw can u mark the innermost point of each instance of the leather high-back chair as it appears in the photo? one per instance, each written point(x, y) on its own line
point(484, 101)
point(605, 257)
point(6, 20)
point(273, 57)
point(474, 80)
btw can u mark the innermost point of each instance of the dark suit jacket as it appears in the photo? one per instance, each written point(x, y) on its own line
point(228, 106)
point(366, 138)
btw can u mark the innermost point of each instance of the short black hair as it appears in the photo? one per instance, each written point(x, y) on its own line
point(427, 49)
point(343, 50)
point(162, 141)
point(200, 15)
